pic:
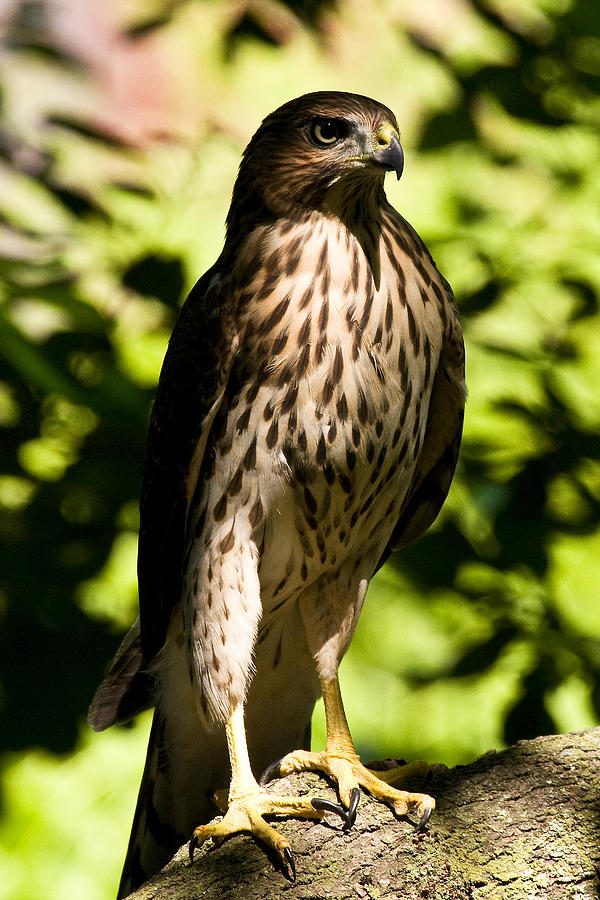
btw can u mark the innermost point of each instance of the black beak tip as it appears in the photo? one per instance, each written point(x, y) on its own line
point(391, 157)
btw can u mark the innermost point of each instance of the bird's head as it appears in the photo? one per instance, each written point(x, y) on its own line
point(317, 152)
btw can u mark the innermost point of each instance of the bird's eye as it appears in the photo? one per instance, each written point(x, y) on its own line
point(326, 132)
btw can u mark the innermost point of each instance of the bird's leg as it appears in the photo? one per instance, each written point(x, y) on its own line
point(341, 762)
point(248, 802)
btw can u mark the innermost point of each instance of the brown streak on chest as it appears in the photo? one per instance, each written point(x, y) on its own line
point(346, 373)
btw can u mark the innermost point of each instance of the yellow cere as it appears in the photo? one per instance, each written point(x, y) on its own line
point(385, 133)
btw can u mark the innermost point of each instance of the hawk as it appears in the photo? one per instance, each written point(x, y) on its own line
point(307, 422)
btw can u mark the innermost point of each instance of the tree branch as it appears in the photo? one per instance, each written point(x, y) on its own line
point(516, 825)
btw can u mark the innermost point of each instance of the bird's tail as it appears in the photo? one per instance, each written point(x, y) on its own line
point(153, 840)
point(183, 769)
point(186, 762)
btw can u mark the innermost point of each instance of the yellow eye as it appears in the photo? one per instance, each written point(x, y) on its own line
point(326, 132)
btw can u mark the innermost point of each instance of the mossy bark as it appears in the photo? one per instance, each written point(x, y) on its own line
point(516, 825)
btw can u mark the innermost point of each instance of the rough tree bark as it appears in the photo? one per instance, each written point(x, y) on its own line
point(521, 824)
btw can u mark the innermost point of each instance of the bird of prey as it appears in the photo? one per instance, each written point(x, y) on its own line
point(307, 422)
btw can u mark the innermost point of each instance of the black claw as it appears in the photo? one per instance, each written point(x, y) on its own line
point(420, 826)
point(291, 865)
point(329, 806)
point(193, 845)
point(351, 814)
point(270, 773)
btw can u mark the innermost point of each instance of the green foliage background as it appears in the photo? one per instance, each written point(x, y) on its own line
point(488, 629)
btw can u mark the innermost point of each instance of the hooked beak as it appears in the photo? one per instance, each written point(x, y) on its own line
point(390, 154)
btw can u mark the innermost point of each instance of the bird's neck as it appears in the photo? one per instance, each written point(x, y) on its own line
point(353, 203)
point(357, 204)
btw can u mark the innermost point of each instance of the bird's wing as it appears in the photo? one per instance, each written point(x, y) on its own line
point(127, 689)
point(437, 461)
point(190, 390)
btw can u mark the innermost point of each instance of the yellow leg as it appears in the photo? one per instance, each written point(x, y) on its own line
point(341, 762)
point(248, 802)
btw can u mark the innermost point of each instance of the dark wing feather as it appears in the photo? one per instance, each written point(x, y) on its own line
point(438, 457)
point(191, 387)
point(127, 689)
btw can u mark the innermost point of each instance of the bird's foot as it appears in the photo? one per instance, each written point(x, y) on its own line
point(346, 769)
point(245, 813)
